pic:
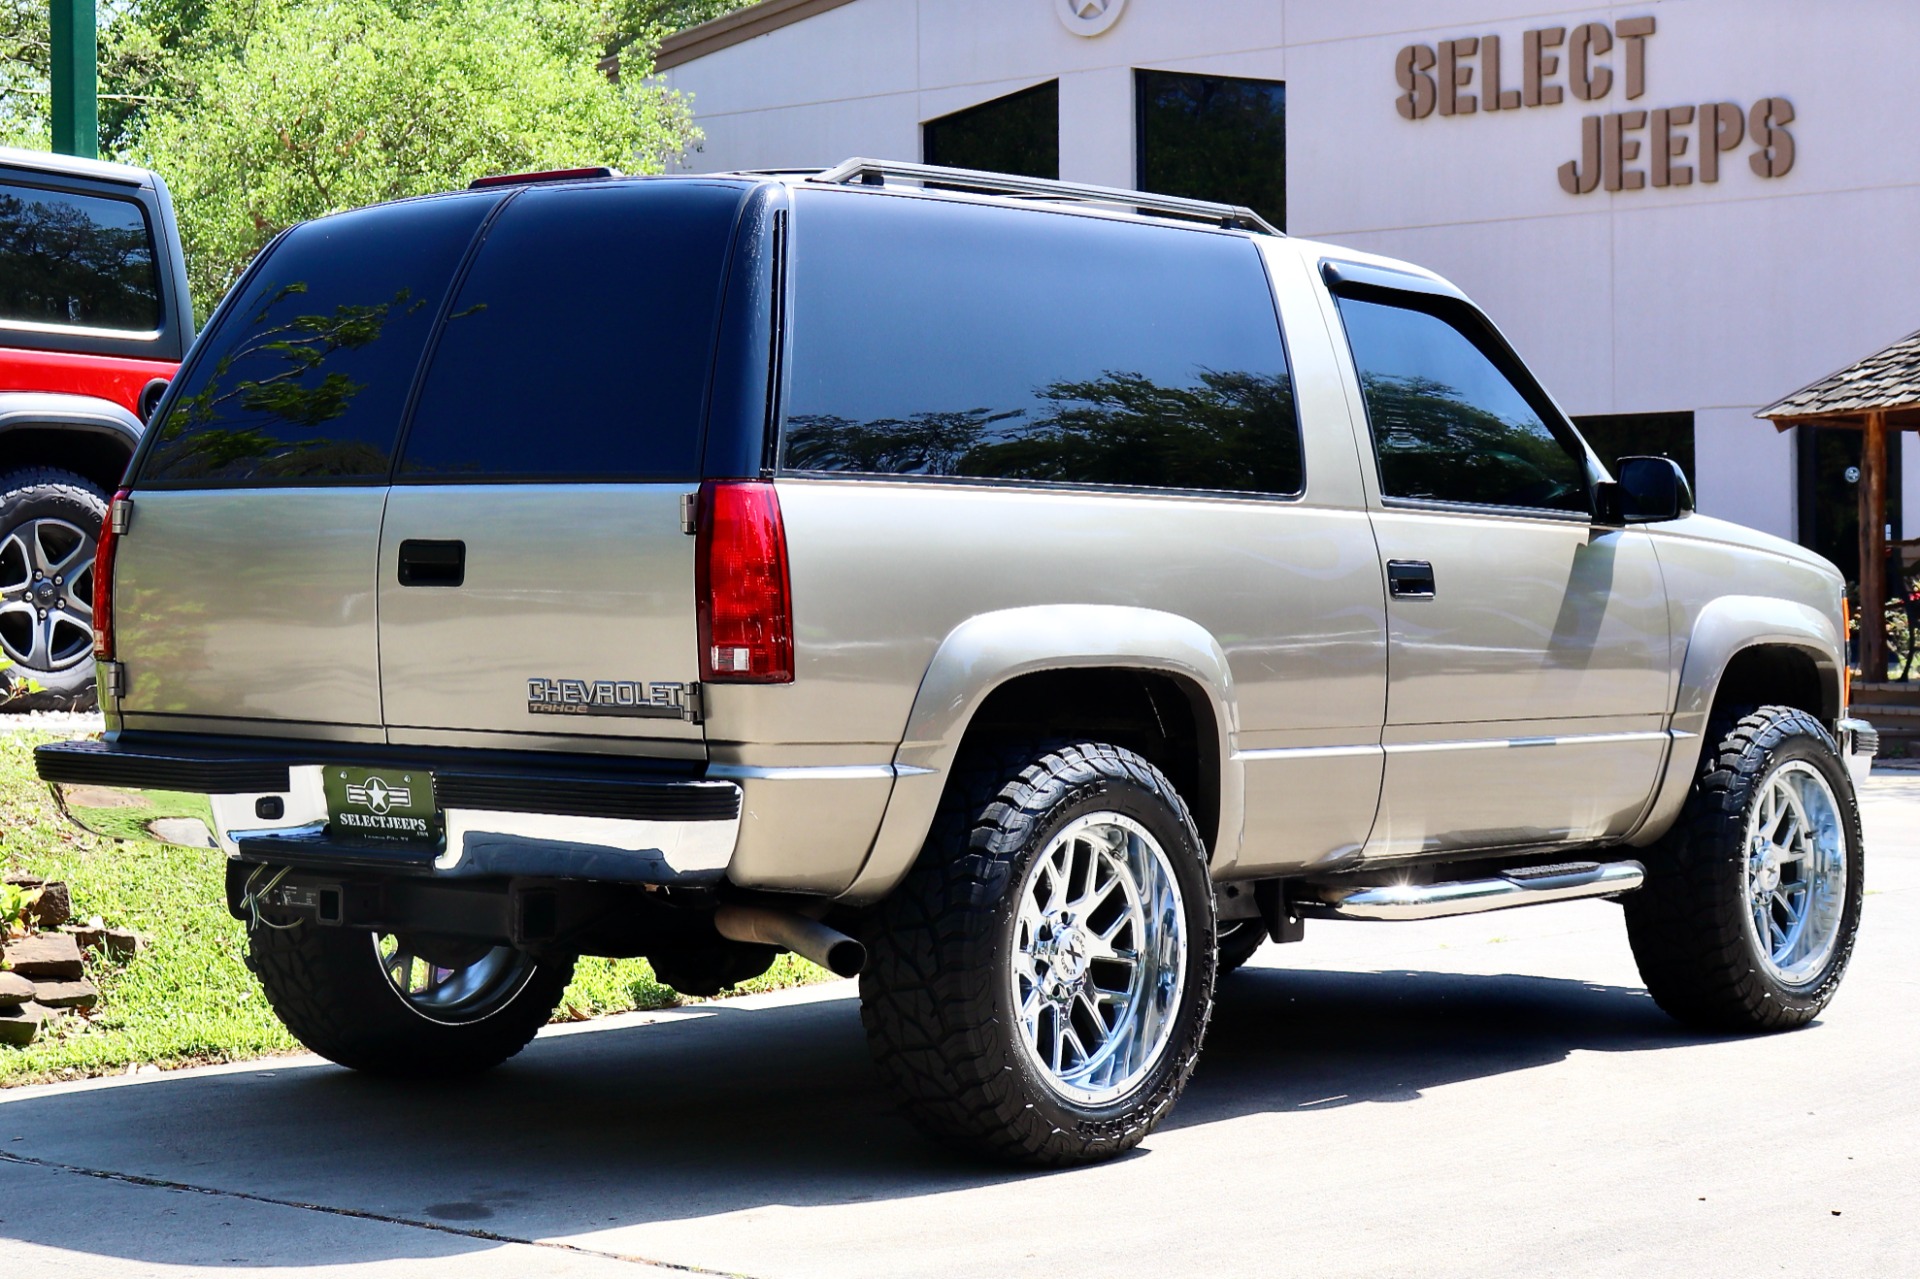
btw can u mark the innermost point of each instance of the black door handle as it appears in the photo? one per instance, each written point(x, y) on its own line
point(1410, 579)
point(432, 563)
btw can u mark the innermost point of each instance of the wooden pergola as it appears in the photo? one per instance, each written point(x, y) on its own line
point(1878, 394)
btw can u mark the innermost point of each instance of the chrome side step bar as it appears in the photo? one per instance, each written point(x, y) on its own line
point(1526, 886)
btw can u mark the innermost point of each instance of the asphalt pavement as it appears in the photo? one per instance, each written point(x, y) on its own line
point(1490, 1096)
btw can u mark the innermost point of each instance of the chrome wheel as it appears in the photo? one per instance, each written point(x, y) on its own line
point(451, 981)
point(1796, 874)
point(1099, 958)
point(46, 594)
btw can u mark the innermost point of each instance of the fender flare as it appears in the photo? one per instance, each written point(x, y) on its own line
point(985, 652)
point(1721, 631)
point(88, 414)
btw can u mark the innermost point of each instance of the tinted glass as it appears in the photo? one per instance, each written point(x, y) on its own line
point(308, 371)
point(1613, 436)
point(1448, 425)
point(79, 260)
point(1019, 133)
point(1214, 138)
point(581, 342)
point(951, 339)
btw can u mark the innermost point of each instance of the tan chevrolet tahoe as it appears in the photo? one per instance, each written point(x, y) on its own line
point(1028, 597)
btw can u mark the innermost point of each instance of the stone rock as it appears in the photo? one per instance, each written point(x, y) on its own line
point(19, 1025)
point(20, 879)
point(65, 994)
point(124, 942)
point(88, 936)
point(47, 955)
point(14, 990)
point(55, 906)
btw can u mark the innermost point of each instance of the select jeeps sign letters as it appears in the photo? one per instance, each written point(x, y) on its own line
point(1675, 141)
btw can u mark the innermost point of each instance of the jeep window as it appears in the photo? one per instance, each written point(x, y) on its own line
point(581, 342)
point(305, 375)
point(1448, 424)
point(76, 261)
point(940, 338)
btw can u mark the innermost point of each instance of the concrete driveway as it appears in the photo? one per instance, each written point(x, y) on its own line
point(1483, 1097)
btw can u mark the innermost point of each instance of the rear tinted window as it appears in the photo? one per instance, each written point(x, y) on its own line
point(78, 261)
point(581, 342)
point(308, 371)
point(960, 340)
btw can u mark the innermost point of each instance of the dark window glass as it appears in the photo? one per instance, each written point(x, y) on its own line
point(582, 338)
point(1613, 436)
point(308, 372)
point(84, 261)
point(935, 338)
point(1212, 137)
point(1019, 133)
point(1448, 424)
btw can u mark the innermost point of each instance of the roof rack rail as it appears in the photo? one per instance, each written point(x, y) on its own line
point(876, 172)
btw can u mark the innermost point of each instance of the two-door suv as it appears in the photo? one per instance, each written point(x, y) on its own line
point(1028, 596)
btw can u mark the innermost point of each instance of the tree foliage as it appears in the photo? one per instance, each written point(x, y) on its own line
point(263, 113)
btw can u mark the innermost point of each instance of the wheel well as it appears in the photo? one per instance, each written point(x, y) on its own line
point(1164, 718)
point(1773, 675)
point(93, 455)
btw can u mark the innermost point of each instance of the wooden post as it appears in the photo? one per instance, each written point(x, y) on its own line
point(1873, 549)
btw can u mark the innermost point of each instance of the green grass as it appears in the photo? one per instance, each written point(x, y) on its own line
point(187, 999)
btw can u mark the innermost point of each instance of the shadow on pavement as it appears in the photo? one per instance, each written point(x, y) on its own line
point(740, 1108)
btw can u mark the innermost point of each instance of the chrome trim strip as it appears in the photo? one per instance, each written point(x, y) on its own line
point(1307, 752)
point(1510, 743)
point(813, 772)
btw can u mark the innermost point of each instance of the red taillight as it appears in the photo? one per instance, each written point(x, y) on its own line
point(746, 607)
point(103, 575)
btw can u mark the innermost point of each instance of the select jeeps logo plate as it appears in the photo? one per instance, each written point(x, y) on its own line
point(629, 698)
point(384, 806)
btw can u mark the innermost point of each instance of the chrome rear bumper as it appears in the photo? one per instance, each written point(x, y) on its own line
point(499, 820)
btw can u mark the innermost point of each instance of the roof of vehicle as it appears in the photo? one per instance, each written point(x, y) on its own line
point(74, 166)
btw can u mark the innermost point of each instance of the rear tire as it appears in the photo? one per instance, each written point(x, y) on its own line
point(1769, 840)
point(49, 528)
point(1240, 940)
point(331, 988)
point(1057, 886)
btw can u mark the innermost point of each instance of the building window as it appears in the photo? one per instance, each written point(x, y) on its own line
point(1019, 133)
point(1617, 435)
point(1213, 138)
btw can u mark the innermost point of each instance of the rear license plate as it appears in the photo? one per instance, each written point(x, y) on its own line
point(382, 806)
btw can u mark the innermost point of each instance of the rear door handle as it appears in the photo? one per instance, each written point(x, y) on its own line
point(425, 563)
point(1410, 579)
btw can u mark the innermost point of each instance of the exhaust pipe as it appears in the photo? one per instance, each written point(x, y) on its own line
point(809, 938)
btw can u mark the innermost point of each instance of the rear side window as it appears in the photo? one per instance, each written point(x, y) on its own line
point(582, 339)
point(944, 339)
point(306, 375)
point(76, 261)
point(1449, 425)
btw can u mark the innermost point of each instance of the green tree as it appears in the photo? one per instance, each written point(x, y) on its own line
point(323, 108)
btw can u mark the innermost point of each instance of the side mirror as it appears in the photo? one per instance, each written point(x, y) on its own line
point(1653, 489)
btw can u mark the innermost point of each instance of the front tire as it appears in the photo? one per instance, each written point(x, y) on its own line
point(409, 1007)
point(1039, 985)
point(1752, 902)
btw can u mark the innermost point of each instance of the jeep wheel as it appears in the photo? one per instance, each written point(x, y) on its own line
point(49, 528)
point(418, 1007)
point(1752, 901)
point(1039, 984)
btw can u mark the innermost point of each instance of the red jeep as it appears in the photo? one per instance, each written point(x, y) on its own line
point(94, 318)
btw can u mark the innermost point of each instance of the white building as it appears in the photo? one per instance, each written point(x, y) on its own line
point(1684, 208)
